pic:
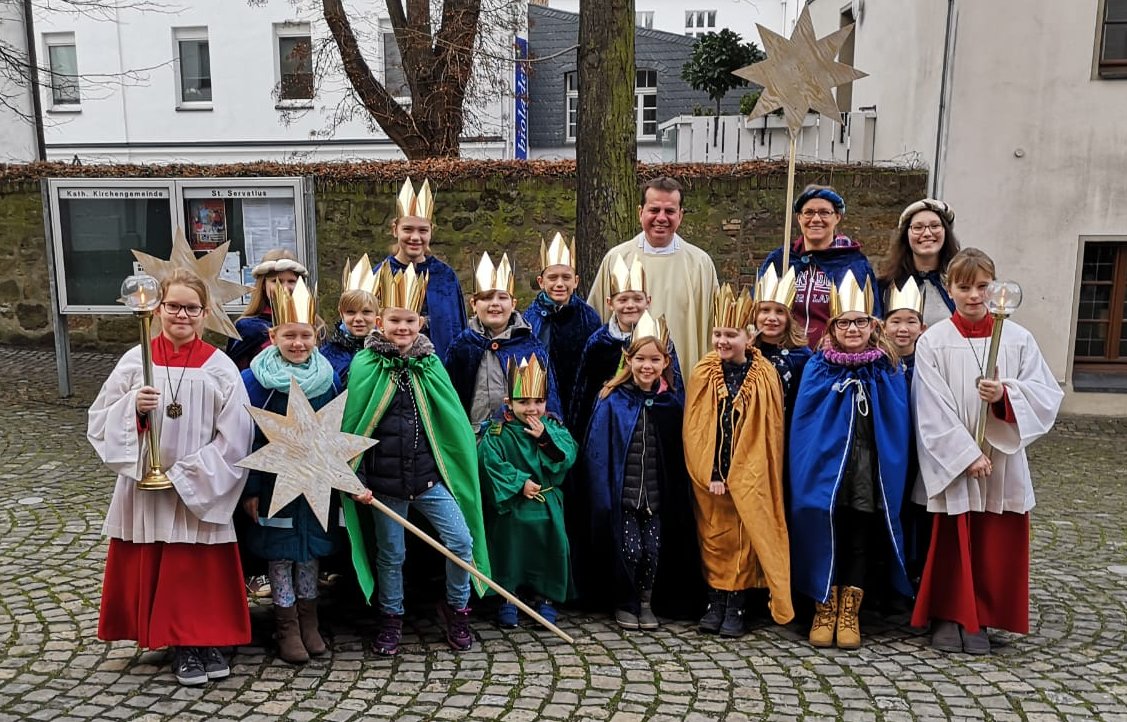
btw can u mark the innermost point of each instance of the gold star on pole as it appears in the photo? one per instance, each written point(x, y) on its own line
point(308, 452)
point(207, 267)
point(799, 73)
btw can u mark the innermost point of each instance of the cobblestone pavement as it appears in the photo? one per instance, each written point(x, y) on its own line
point(1072, 666)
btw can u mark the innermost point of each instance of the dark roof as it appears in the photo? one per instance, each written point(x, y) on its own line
point(553, 35)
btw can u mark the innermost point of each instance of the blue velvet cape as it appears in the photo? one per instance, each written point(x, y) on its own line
point(445, 305)
point(597, 503)
point(338, 354)
point(824, 417)
point(254, 333)
point(598, 364)
point(562, 330)
point(463, 359)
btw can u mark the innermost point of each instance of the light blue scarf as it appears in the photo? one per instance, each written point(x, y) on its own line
point(273, 371)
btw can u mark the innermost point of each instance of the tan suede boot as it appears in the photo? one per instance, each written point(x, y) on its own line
point(288, 633)
point(310, 635)
point(848, 619)
point(825, 617)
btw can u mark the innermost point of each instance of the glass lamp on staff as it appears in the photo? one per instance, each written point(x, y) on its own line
point(1002, 299)
point(141, 293)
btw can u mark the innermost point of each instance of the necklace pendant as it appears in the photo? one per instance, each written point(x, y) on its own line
point(174, 410)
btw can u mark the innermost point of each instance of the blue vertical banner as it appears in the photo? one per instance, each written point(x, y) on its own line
point(520, 117)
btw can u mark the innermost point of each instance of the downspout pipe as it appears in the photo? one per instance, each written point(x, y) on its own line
point(943, 126)
point(33, 81)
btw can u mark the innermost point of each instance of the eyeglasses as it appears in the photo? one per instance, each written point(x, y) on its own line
point(192, 311)
point(843, 324)
point(821, 213)
point(920, 227)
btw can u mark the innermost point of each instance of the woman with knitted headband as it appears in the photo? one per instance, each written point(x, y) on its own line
point(820, 257)
point(254, 325)
point(924, 245)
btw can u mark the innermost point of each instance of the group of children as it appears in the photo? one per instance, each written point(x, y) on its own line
point(573, 461)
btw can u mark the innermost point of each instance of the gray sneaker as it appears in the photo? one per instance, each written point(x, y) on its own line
point(214, 663)
point(945, 636)
point(976, 643)
point(188, 667)
point(626, 619)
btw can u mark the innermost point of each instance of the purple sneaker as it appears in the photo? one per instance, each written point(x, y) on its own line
point(390, 633)
point(458, 634)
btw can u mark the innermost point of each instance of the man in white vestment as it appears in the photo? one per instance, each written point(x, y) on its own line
point(680, 277)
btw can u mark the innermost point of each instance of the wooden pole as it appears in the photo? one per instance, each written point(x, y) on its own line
point(790, 204)
point(991, 363)
point(437, 546)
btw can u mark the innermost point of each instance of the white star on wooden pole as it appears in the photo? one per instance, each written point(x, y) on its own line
point(308, 452)
point(207, 267)
point(797, 76)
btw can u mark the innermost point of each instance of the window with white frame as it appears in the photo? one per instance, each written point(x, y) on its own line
point(193, 67)
point(645, 103)
point(699, 22)
point(62, 66)
point(295, 61)
point(394, 77)
point(644, 19)
point(571, 88)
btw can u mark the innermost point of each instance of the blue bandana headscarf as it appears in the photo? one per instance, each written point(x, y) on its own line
point(825, 194)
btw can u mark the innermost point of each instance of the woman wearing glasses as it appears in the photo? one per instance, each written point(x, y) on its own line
point(924, 245)
point(173, 577)
point(820, 258)
point(848, 474)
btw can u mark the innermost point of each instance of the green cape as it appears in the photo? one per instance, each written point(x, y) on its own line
point(370, 390)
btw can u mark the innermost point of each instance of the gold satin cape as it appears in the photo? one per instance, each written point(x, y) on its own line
point(743, 534)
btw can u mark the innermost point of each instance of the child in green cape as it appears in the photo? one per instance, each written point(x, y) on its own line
point(399, 394)
point(524, 457)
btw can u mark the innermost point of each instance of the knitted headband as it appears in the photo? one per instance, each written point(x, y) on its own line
point(282, 264)
point(825, 194)
point(939, 208)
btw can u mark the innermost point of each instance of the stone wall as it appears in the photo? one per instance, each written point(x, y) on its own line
point(734, 212)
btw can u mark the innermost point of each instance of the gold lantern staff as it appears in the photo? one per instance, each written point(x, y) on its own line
point(1002, 299)
point(141, 293)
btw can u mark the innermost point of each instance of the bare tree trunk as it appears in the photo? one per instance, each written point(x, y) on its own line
point(437, 66)
point(606, 144)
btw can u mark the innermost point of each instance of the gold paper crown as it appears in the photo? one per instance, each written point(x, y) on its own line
point(849, 296)
point(360, 277)
point(527, 380)
point(410, 204)
point(558, 253)
point(623, 276)
point(406, 289)
point(907, 297)
point(770, 287)
point(488, 277)
point(300, 306)
point(648, 327)
point(731, 310)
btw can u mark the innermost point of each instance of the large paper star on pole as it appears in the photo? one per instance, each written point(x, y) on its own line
point(308, 452)
point(799, 73)
point(207, 267)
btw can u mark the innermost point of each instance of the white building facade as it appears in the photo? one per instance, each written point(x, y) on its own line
point(697, 17)
point(227, 81)
point(17, 115)
point(1017, 107)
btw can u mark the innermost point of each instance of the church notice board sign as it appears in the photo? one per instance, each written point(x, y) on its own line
point(97, 222)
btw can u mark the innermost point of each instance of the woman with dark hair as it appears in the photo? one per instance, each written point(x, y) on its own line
point(820, 257)
point(924, 245)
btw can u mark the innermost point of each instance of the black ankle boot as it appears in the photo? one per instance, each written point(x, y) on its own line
point(733, 625)
point(714, 615)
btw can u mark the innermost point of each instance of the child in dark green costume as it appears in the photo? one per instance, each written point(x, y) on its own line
point(524, 457)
